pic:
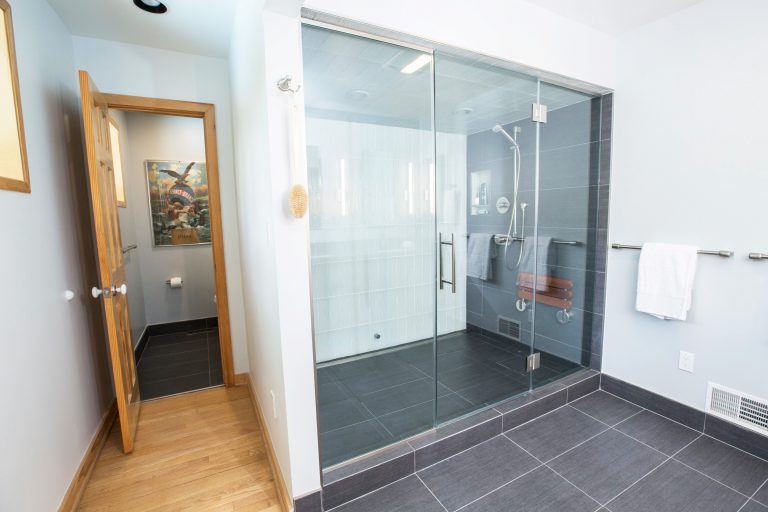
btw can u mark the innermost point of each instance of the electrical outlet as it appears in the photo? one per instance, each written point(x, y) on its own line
point(686, 361)
point(274, 404)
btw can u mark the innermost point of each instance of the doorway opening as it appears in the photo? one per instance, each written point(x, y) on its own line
point(161, 184)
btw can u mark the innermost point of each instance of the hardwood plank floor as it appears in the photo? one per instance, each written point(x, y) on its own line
point(197, 451)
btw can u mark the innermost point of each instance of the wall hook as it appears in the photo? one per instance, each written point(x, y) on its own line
point(284, 84)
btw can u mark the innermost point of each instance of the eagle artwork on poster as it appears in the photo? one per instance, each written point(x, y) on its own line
point(178, 202)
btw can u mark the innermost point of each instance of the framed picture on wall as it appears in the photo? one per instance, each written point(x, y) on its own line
point(117, 162)
point(178, 202)
point(14, 172)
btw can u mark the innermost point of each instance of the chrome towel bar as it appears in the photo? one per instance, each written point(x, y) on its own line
point(758, 256)
point(723, 254)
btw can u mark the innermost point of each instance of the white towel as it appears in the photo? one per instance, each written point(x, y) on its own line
point(665, 280)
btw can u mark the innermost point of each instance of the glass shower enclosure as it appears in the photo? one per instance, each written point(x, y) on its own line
point(452, 230)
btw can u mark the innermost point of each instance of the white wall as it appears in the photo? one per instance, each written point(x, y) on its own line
point(513, 30)
point(274, 246)
point(689, 166)
point(158, 137)
point(266, 46)
point(373, 263)
point(141, 71)
point(53, 370)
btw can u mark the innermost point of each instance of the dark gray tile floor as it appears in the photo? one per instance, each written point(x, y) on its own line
point(374, 401)
point(570, 461)
point(178, 362)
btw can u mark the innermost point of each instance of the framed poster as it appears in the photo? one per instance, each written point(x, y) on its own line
point(178, 202)
point(14, 172)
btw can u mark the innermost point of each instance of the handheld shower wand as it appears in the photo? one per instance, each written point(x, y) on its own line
point(512, 231)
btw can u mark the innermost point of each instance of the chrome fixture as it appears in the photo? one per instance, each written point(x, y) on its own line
point(504, 240)
point(723, 254)
point(512, 231)
point(129, 248)
point(443, 281)
point(285, 85)
point(758, 256)
point(563, 316)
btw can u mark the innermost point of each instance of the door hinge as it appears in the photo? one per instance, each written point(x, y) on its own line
point(533, 362)
point(539, 113)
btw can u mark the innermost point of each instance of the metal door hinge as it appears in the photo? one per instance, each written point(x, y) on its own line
point(533, 362)
point(539, 113)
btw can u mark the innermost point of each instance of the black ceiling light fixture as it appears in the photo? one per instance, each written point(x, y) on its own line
point(153, 6)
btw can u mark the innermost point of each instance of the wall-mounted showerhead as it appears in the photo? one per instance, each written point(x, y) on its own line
point(497, 128)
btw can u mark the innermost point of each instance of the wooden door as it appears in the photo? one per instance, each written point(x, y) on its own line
point(111, 291)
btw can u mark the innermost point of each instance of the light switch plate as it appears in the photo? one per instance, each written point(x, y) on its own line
point(686, 361)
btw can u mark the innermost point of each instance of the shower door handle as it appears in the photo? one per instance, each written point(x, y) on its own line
point(443, 281)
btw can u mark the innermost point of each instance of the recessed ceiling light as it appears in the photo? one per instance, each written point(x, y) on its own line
point(358, 95)
point(153, 6)
point(418, 63)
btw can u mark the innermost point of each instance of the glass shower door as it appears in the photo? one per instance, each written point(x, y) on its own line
point(486, 145)
point(566, 245)
point(371, 186)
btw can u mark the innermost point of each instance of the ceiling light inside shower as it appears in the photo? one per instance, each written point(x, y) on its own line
point(417, 63)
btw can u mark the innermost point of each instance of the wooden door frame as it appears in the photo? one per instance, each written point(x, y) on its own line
point(207, 113)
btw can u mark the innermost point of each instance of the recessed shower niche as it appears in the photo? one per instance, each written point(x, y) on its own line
point(454, 225)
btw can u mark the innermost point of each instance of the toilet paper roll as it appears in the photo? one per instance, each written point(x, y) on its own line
point(175, 282)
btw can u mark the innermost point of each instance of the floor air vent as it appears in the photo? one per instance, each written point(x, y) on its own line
point(737, 407)
point(509, 328)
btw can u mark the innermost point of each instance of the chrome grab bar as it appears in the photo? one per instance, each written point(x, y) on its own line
point(504, 240)
point(722, 254)
point(452, 282)
point(758, 256)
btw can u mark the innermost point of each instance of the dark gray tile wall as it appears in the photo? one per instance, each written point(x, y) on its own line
point(573, 205)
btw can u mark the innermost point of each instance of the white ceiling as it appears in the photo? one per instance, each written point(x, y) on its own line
point(203, 27)
point(614, 16)
point(470, 97)
point(200, 27)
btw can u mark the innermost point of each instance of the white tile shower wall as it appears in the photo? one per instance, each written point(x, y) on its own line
point(372, 252)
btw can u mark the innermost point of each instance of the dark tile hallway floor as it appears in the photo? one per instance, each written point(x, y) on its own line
point(180, 361)
point(371, 402)
point(599, 453)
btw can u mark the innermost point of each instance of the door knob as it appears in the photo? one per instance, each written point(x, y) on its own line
point(96, 292)
point(123, 288)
